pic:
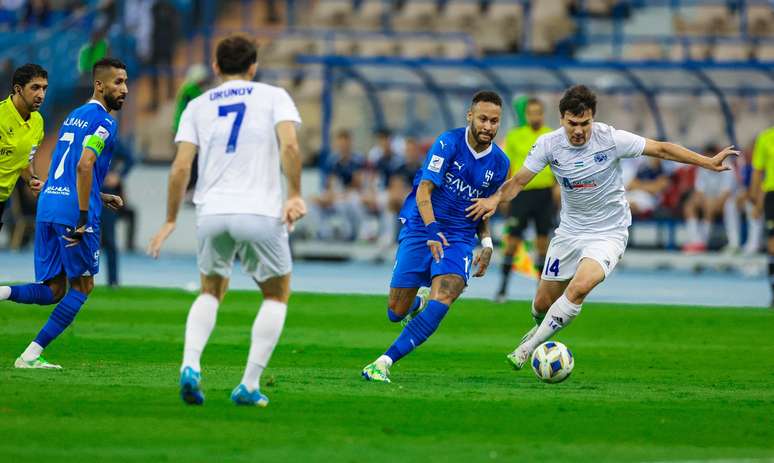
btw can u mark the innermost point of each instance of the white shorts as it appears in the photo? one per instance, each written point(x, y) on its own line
point(566, 251)
point(260, 242)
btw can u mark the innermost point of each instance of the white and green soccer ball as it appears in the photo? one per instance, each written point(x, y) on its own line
point(552, 362)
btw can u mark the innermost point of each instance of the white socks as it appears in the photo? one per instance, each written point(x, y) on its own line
point(32, 352)
point(5, 292)
point(266, 332)
point(385, 360)
point(561, 314)
point(201, 321)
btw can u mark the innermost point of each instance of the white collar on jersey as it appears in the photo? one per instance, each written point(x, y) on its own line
point(472, 151)
point(97, 102)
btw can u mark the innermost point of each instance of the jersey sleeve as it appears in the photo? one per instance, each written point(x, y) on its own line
point(437, 161)
point(104, 135)
point(627, 144)
point(285, 109)
point(186, 130)
point(537, 158)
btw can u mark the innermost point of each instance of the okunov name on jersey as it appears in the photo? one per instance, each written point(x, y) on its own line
point(593, 198)
point(234, 128)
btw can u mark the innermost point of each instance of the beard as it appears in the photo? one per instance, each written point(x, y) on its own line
point(477, 136)
point(113, 104)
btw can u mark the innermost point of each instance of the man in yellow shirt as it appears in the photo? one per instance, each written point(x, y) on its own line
point(762, 189)
point(21, 130)
point(536, 202)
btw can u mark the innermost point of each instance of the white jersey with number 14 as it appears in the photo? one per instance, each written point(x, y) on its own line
point(593, 196)
point(233, 126)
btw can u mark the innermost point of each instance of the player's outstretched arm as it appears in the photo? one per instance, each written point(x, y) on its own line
point(674, 152)
point(484, 256)
point(179, 176)
point(290, 156)
point(486, 207)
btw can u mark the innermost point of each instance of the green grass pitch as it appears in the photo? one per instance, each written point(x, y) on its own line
point(650, 384)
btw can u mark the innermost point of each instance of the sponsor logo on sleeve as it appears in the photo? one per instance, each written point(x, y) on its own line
point(436, 162)
point(102, 133)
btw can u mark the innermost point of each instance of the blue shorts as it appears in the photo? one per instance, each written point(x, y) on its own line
point(415, 266)
point(52, 257)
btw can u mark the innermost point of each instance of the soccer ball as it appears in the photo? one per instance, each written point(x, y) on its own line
point(552, 362)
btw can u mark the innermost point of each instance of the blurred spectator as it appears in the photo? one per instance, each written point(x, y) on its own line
point(122, 163)
point(9, 13)
point(338, 211)
point(645, 190)
point(92, 51)
point(746, 202)
point(163, 37)
point(713, 195)
point(6, 76)
point(37, 13)
point(139, 24)
point(385, 143)
point(195, 80)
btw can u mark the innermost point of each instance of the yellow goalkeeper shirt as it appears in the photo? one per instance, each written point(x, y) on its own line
point(763, 157)
point(19, 139)
point(518, 142)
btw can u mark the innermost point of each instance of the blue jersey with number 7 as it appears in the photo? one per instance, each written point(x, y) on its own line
point(87, 127)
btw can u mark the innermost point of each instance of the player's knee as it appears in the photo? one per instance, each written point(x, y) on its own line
point(579, 288)
point(449, 289)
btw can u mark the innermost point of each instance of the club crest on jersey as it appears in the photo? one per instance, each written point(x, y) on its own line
point(488, 178)
point(600, 158)
point(436, 162)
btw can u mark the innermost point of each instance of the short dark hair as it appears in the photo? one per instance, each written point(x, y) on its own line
point(534, 100)
point(107, 63)
point(236, 54)
point(487, 96)
point(24, 74)
point(577, 100)
point(343, 133)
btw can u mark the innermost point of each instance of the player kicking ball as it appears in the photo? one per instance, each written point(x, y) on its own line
point(67, 230)
point(243, 131)
point(436, 242)
point(584, 157)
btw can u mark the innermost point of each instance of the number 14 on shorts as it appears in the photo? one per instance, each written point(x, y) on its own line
point(552, 266)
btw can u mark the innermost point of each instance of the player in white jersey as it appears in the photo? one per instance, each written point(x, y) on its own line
point(584, 157)
point(243, 131)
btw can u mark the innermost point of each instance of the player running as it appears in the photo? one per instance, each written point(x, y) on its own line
point(67, 233)
point(21, 131)
point(243, 132)
point(437, 240)
point(584, 156)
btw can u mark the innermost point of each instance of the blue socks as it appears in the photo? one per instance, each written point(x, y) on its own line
point(34, 293)
point(395, 318)
point(418, 330)
point(61, 317)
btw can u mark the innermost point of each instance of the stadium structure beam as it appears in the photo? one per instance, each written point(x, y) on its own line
point(724, 106)
point(650, 98)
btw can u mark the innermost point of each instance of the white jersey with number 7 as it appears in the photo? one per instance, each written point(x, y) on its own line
point(233, 126)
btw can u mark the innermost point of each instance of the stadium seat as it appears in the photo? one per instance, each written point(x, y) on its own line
point(599, 7)
point(693, 52)
point(460, 15)
point(284, 49)
point(457, 48)
point(344, 45)
point(370, 14)
point(731, 52)
point(643, 51)
point(420, 47)
point(551, 23)
point(765, 52)
point(332, 13)
point(760, 20)
point(376, 45)
point(416, 15)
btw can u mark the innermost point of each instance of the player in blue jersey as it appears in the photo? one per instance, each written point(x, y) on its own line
point(437, 239)
point(67, 234)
